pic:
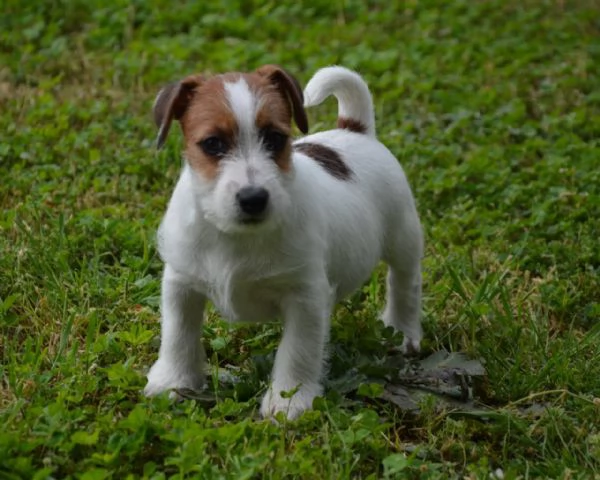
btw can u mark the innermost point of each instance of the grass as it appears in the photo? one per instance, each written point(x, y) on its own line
point(493, 108)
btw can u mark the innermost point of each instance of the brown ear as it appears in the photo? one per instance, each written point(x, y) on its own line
point(171, 103)
point(290, 88)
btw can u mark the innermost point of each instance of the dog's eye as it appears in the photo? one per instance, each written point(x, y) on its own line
point(274, 141)
point(214, 146)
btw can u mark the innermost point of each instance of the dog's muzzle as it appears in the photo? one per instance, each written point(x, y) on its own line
point(253, 202)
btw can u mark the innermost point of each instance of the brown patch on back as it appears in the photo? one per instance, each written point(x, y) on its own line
point(328, 158)
point(351, 124)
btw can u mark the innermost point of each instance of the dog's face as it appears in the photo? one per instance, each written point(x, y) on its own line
point(237, 131)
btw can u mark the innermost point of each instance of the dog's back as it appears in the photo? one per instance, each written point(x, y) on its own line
point(366, 199)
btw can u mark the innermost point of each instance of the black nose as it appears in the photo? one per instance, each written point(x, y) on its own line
point(252, 200)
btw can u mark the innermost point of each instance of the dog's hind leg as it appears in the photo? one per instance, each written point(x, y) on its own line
point(403, 305)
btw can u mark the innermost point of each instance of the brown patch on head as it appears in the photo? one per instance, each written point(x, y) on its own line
point(171, 103)
point(273, 116)
point(208, 115)
point(202, 107)
point(351, 124)
point(328, 158)
point(290, 89)
point(275, 112)
point(283, 159)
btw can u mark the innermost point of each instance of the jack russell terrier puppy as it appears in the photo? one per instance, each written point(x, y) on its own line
point(265, 226)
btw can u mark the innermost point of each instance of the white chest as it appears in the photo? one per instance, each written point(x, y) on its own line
point(245, 284)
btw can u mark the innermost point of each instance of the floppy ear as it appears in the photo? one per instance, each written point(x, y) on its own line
point(291, 89)
point(171, 103)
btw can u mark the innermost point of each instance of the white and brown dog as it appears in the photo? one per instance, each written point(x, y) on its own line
point(267, 227)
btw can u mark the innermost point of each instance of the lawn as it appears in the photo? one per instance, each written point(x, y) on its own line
point(493, 109)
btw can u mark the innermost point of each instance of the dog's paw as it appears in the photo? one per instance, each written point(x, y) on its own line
point(165, 376)
point(410, 346)
point(293, 404)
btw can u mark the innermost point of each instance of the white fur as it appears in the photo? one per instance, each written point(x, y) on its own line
point(354, 98)
point(321, 240)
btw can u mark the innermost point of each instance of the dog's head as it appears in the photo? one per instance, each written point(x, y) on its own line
point(237, 133)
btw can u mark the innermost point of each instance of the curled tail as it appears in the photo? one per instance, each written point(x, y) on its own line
point(355, 105)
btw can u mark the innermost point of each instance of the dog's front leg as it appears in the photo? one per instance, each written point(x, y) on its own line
point(298, 369)
point(181, 356)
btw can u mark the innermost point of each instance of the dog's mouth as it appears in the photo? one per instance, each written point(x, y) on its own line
point(252, 219)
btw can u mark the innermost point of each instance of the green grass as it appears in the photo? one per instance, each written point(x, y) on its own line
point(492, 107)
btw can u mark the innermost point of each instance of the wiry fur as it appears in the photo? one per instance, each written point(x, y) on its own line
point(320, 241)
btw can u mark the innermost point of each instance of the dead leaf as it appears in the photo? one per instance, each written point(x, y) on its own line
point(447, 376)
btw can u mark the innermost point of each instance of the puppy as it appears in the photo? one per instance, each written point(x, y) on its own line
point(269, 227)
